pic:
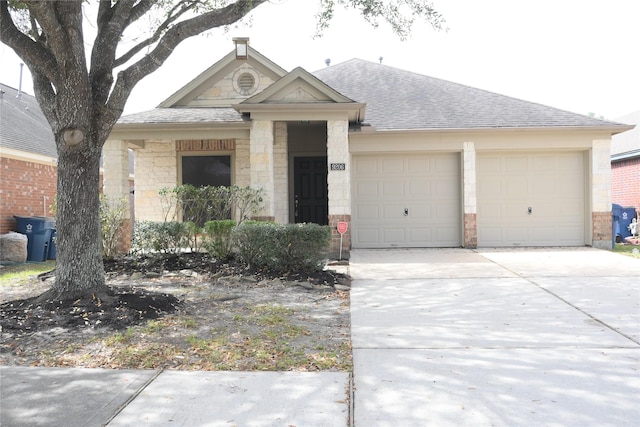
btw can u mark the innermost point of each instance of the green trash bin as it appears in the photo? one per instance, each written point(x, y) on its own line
point(38, 231)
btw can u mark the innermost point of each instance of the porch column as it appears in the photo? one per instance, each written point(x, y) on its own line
point(602, 234)
point(115, 185)
point(261, 160)
point(339, 183)
point(469, 195)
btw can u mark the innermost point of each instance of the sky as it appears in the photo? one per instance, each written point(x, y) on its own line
point(577, 55)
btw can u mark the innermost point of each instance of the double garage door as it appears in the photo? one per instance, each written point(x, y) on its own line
point(414, 200)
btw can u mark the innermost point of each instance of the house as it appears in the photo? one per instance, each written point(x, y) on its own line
point(28, 159)
point(405, 159)
point(625, 163)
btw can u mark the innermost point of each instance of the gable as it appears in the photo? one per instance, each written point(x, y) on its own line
point(229, 81)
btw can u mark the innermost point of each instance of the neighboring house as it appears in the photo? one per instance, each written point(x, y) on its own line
point(28, 157)
point(625, 164)
point(407, 160)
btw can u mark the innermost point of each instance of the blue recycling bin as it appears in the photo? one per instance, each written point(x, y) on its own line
point(38, 231)
point(622, 217)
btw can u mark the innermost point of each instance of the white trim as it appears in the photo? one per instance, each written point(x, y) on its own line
point(25, 156)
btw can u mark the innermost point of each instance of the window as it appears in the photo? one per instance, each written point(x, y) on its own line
point(202, 171)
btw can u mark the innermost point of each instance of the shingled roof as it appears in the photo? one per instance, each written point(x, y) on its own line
point(187, 115)
point(402, 100)
point(22, 125)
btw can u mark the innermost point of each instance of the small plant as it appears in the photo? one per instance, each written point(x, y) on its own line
point(112, 213)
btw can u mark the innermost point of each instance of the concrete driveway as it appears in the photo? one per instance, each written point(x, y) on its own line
point(514, 337)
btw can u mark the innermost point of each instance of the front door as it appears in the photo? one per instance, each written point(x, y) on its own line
point(311, 203)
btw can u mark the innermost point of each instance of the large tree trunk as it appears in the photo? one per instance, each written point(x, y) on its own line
point(79, 271)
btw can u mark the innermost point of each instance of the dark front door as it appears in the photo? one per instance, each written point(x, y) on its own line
point(310, 190)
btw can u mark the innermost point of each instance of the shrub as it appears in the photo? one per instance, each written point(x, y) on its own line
point(208, 203)
point(217, 238)
point(168, 237)
point(282, 247)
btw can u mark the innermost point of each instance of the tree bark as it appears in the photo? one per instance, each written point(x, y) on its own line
point(79, 268)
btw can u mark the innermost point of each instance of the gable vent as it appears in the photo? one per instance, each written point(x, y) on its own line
point(246, 82)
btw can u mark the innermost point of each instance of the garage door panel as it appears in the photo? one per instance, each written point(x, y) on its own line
point(551, 184)
point(427, 185)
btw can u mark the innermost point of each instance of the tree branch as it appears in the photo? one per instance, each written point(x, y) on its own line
point(127, 79)
point(171, 18)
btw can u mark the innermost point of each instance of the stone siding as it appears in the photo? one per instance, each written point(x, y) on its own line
point(339, 181)
point(157, 169)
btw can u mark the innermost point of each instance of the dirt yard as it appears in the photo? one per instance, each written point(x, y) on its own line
point(184, 313)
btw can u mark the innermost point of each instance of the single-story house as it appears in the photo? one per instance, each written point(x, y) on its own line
point(405, 159)
point(625, 163)
point(28, 159)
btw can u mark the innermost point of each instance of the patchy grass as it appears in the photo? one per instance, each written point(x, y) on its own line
point(16, 273)
point(627, 250)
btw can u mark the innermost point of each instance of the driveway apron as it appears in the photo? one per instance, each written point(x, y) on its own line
point(513, 337)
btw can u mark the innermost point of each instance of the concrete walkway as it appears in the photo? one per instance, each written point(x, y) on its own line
point(495, 338)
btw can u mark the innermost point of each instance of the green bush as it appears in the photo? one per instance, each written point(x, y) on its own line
point(167, 237)
point(282, 247)
point(217, 238)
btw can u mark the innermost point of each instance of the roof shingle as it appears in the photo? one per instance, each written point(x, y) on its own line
point(399, 99)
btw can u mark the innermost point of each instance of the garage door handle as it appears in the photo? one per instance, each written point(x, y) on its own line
point(406, 212)
point(530, 210)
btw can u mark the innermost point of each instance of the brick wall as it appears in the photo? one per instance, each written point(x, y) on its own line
point(334, 248)
point(602, 233)
point(26, 189)
point(625, 183)
point(470, 231)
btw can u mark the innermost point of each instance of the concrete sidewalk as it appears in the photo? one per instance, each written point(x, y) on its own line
point(70, 397)
point(495, 338)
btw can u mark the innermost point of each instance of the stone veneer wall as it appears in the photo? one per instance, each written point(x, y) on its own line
point(470, 199)
point(158, 161)
point(601, 194)
point(339, 183)
point(261, 159)
point(280, 173)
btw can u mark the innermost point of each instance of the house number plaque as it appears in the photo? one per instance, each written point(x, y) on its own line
point(338, 166)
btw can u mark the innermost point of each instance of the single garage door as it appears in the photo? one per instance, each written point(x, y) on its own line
point(531, 199)
point(406, 200)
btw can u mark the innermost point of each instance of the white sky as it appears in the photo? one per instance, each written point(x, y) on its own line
point(577, 55)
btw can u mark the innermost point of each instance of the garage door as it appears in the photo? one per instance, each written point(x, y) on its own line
point(531, 199)
point(408, 200)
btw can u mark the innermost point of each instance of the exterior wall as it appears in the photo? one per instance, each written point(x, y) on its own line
point(261, 161)
point(470, 202)
point(242, 176)
point(625, 182)
point(339, 183)
point(601, 194)
point(27, 188)
point(156, 169)
point(280, 173)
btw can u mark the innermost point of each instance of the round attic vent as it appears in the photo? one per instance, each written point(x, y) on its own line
point(246, 82)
